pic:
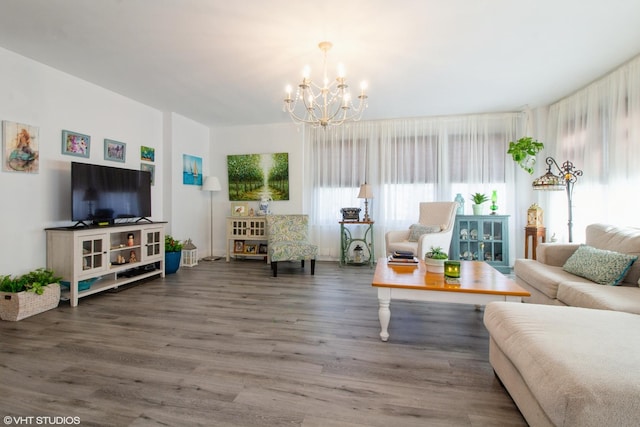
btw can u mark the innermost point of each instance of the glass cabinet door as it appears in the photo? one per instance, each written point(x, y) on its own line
point(153, 243)
point(93, 252)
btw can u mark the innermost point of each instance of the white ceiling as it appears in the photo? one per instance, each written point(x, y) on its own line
point(224, 62)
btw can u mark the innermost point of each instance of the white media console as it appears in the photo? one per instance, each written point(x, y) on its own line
point(94, 259)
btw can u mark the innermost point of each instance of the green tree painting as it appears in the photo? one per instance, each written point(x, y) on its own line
point(258, 176)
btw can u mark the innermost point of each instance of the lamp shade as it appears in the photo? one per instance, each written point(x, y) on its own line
point(211, 183)
point(549, 182)
point(366, 192)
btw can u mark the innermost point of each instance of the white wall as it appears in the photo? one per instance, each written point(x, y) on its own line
point(187, 208)
point(276, 138)
point(34, 94)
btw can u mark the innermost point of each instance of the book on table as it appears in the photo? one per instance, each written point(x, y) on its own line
point(403, 255)
point(392, 260)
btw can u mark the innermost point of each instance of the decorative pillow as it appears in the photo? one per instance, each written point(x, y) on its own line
point(417, 230)
point(599, 265)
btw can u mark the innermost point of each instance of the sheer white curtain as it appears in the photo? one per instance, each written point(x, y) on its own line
point(598, 129)
point(407, 161)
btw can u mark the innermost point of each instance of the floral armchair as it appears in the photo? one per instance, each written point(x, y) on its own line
point(289, 241)
point(434, 228)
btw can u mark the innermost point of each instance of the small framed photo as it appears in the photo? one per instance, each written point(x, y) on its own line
point(238, 246)
point(114, 150)
point(149, 168)
point(262, 248)
point(148, 154)
point(239, 209)
point(251, 248)
point(75, 144)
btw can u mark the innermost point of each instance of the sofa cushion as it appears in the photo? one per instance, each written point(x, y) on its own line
point(601, 266)
point(543, 277)
point(620, 239)
point(417, 230)
point(580, 364)
point(591, 295)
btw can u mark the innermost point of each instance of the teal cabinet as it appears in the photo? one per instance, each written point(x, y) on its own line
point(482, 238)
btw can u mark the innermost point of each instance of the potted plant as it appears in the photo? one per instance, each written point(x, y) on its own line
point(434, 260)
point(478, 200)
point(172, 254)
point(524, 151)
point(29, 294)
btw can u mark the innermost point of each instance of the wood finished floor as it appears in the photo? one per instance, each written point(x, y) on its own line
point(224, 344)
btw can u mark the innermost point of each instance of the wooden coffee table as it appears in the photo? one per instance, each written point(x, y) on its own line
point(479, 283)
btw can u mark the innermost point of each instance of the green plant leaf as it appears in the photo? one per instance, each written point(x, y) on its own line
point(524, 152)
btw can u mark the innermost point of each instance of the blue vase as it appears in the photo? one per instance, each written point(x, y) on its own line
point(171, 262)
point(460, 200)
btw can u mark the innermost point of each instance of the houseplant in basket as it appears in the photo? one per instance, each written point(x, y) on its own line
point(29, 294)
point(172, 254)
point(434, 260)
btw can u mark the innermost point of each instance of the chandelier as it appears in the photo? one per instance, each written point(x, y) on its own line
point(327, 105)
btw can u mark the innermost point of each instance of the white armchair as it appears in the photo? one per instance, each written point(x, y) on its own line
point(434, 228)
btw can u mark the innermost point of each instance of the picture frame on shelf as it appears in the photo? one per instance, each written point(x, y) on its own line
point(239, 208)
point(251, 248)
point(115, 151)
point(238, 246)
point(263, 248)
point(76, 144)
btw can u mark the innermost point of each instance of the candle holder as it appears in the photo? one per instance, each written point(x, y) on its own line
point(452, 269)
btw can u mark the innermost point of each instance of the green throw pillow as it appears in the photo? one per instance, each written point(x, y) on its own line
point(599, 265)
point(417, 230)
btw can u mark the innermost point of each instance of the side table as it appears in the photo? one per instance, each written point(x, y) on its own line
point(349, 239)
point(536, 233)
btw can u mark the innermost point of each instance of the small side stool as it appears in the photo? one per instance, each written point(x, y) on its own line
point(535, 233)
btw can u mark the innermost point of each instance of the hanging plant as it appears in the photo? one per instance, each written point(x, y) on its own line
point(524, 152)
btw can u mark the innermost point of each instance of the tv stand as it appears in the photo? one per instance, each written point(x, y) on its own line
point(144, 218)
point(93, 259)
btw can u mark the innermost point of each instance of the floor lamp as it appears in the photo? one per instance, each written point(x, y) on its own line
point(564, 179)
point(211, 184)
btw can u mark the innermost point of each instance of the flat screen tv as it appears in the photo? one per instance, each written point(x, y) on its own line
point(104, 194)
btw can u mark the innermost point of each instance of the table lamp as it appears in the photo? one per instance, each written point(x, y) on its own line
point(366, 193)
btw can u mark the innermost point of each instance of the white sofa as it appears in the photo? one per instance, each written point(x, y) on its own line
point(548, 283)
point(567, 366)
point(572, 359)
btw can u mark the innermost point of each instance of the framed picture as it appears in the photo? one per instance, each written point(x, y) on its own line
point(147, 154)
point(239, 209)
point(75, 144)
point(149, 168)
point(250, 248)
point(114, 150)
point(191, 170)
point(238, 246)
point(258, 176)
point(20, 147)
point(262, 249)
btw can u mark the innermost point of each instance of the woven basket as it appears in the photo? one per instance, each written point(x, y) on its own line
point(17, 306)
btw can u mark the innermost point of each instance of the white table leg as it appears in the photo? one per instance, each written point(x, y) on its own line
point(384, 313)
